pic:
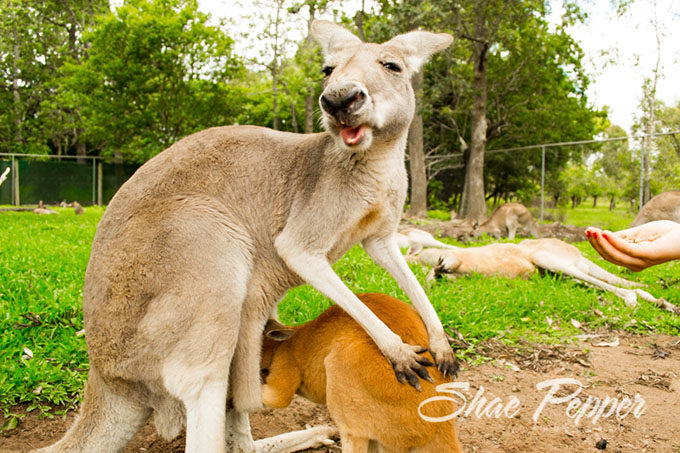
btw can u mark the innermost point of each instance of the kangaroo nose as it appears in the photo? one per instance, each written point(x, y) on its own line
point(343, 99)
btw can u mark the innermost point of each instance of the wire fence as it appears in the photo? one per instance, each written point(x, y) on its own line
point(457, 158)
point(52, 179)
point(92, 180)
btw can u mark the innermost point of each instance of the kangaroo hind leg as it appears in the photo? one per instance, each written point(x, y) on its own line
point(106, 423)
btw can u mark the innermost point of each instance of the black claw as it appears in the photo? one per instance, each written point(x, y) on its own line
point(424, 361)
point(413, 381)
point(401, 377)
point(421, 350)
point(422, 372)
point(450, 369)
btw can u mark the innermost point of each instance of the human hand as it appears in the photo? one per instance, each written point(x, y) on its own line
point(639, 247)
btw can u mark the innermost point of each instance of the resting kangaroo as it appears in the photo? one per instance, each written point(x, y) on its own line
point(197, 248)
point(665, 206)
point(508, 218)
point(332, 361)
point(522, 260)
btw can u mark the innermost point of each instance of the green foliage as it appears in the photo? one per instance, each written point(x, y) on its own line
point(156, 71)
point(665, 168)
point(535, 87)
point(42, 35)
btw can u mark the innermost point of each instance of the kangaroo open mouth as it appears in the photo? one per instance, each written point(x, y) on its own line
point(352, 135)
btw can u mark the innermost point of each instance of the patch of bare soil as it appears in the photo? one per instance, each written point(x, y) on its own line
point(633, 382)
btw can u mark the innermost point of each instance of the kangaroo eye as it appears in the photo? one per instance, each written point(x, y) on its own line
point(392, 66)
point(327, 70)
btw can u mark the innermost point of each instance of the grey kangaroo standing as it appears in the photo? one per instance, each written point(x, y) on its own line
point(195, 251)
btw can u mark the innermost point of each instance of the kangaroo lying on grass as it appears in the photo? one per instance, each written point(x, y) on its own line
point(665, 206)
point(522, 260)
point(331, 360)
point(196, 249)
point(416, 239)
point(507, 218)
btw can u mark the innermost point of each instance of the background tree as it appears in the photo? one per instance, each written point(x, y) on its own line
point(616, 165)
point(43, 34)
point(156, 71)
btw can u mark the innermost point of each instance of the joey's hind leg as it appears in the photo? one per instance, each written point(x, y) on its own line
point(245, 367)
point(353, 444)
point(237, 430)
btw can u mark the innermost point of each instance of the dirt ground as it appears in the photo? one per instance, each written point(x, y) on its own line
point(614, 366)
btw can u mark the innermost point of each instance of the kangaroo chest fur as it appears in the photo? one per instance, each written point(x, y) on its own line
point(243, 183)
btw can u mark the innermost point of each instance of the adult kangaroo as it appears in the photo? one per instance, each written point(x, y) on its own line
point(197, 248)
point(665, 206)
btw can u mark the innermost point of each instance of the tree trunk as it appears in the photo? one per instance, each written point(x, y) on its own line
point(651, 118)
point(472, 205)
point(418, 206)
point(309, 111)
point(15, 86)
point(275, 69)
point(275, 107)
point(81, 151)
point(594, 202)
point(612, 204)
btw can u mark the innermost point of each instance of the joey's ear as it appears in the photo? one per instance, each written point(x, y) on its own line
point(277, 331)
point(332, 37)
point(417, 46)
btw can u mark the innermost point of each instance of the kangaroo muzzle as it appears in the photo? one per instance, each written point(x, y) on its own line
point(346, 103)
point(342, 100)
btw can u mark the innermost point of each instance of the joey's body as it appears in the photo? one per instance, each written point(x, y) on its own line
point(332, 361)
point(197, 248)
point(507, 218)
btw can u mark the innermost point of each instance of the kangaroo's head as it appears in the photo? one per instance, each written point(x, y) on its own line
point(367, 94)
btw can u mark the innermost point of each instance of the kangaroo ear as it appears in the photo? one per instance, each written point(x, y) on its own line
point(332, 37)
point(277, 331)
point(417, 46)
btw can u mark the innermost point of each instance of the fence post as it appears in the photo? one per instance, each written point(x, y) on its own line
point(642, 173)
point(542, 180)
point(100, 182)
point(16, 198)
point(94, 180)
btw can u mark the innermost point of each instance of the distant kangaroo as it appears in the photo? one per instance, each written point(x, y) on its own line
point(331, 360)
point(507, 218)
point(194, 252)
point(665, 206)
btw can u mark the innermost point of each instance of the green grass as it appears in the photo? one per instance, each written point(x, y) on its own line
point(43, 260)
point(585, 215)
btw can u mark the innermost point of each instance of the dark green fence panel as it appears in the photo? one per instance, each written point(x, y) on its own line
point(6, 187)
point(114, 176)
point(54, 181)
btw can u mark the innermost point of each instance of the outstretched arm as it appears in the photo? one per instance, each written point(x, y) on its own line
point(315, 269)
point(385, 252)
point(640, 247)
